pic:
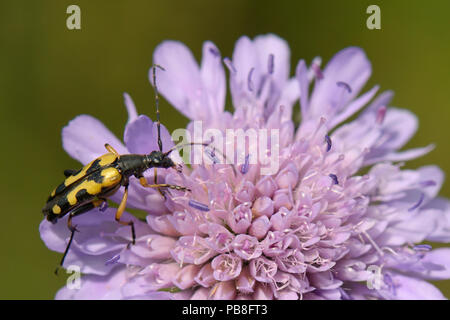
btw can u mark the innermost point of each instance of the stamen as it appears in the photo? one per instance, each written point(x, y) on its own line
point(270, 63)
point(344, 85)
point(390, 250)
point(103, 206)
point(261, 85)
point(428, 183)
point(344, 294)
point(322, 121)
point(214, 51)
point(229, 65)
point(422, 247)
point(113, 260)
point(198, 205)
point(334, 177)
point(245, 166)
point(249, 80)
point(387, 279)
point(414, 207)
point(316, 68)
point(374, 245)
point(381, 113)
point(329, 144)
point(212, 155)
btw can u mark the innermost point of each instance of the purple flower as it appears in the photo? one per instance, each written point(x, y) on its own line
point(314, 229)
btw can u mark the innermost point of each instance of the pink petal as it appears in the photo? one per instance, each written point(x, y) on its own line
point(407, 288)
point(352, 108)
point(441, 209)
point(96, 287)
point(349, 66)
point(185, 278)
point(139, 137)
point(438, 257)
point(271, 44)
point(302, 77)
point(181, 82)
point(213, 77)
point(84, 139)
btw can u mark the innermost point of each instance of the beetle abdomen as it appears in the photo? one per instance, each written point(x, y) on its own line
point(97, 184)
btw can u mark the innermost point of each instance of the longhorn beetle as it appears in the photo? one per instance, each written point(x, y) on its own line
point(90, 186)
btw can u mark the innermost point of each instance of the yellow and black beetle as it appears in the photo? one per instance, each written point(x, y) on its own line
point(89, 187)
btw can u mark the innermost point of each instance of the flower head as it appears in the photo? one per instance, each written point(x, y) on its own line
point(314, 229)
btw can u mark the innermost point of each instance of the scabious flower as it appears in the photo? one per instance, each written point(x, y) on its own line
point(317, 228)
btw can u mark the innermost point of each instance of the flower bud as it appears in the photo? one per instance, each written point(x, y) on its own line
point(259, 227)
point(205, 276)
point(288, 177)
point(263, 206)
point(185, 278)
point(223, 291)
point(246, 247)
point(266, 186)
point(245, 192)
point(226, 267)
point(240, 218)
point(245, 282)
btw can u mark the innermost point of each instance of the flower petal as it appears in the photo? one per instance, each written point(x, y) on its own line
point(181, 82)
point(302, 77)
point(407, 288)
point(383, 100)
point(441, 209)
point(439, 257)
point(96, 287)
point(352, 108)
point(84, 139)
point(349, 66)
point(139, 136)
point(270, 44)
point(411, 230)
point(244, 60)
point(213, 77)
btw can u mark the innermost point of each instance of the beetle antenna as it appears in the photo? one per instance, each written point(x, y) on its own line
point(184, 145)
point(203, 144)
point(158, 122)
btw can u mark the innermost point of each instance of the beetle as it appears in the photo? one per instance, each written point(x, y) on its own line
point(89, 187)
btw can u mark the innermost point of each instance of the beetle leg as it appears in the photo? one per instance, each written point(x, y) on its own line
point(155, 176)
point(144, 183)
point(69, 172)
point(80, 210)
point(112, 150)
point(120, 211)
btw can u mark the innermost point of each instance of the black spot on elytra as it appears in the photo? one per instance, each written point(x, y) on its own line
point(96, 176)
point(64, 205)
point(94, 166)
point(82, 196)
point(60, 188)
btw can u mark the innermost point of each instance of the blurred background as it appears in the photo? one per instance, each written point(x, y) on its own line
point(49, 74)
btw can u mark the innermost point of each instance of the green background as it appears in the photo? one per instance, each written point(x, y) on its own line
point(49, 74)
